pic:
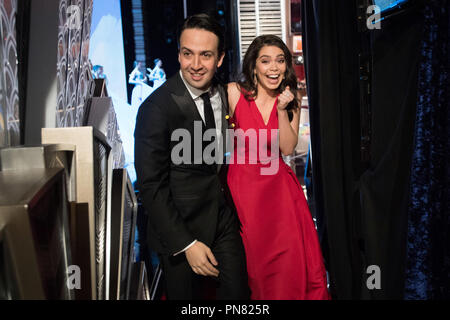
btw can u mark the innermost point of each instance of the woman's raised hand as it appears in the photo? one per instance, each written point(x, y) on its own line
point(284, 99)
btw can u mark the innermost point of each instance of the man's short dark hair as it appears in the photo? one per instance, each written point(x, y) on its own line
point(206, 22)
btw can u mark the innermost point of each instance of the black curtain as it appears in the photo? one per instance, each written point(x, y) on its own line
point(362, 195)
point(428, 251)
point(384, 186)
point(331, 45)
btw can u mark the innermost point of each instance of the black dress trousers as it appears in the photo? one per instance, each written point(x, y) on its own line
point(181, 283)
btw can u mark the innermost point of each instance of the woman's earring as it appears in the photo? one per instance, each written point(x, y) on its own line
point(255, 79)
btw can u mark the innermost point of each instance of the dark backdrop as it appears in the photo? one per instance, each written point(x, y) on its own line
point(161, 21)
point(362, 131)
point(428, 250)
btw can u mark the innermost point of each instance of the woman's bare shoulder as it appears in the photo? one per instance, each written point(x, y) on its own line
point(234, 94)
point(233, 89)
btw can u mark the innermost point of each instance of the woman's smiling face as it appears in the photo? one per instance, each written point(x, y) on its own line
point(270, 68)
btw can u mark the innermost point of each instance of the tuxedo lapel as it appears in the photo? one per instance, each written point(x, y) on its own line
point(184, 100)
point(225, 109)
point(225, 112)
point(188, 108)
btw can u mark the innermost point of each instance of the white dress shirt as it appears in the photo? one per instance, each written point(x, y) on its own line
point(216, 103)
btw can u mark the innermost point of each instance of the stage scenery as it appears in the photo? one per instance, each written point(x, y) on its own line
point(244, 150)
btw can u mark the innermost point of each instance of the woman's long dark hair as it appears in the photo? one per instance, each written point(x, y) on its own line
point(250, 89)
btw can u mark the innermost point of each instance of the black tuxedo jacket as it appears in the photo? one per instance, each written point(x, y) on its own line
point(182, 200)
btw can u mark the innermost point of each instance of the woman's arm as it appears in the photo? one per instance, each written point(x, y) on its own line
point(154, 74)
point(233, 96)
point(132, 78)
point(288, 129)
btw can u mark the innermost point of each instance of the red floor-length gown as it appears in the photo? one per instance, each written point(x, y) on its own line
point(284, 259)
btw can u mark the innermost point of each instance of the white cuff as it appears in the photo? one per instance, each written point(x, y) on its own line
point(193, 242)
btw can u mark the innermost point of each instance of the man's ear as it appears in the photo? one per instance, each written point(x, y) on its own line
point(221, 56)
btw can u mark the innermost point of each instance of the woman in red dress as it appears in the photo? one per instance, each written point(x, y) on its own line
point(284, 260)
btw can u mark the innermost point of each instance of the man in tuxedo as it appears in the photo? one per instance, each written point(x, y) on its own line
point(190, 224)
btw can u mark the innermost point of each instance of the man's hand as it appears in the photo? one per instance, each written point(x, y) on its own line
point(201, 260)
